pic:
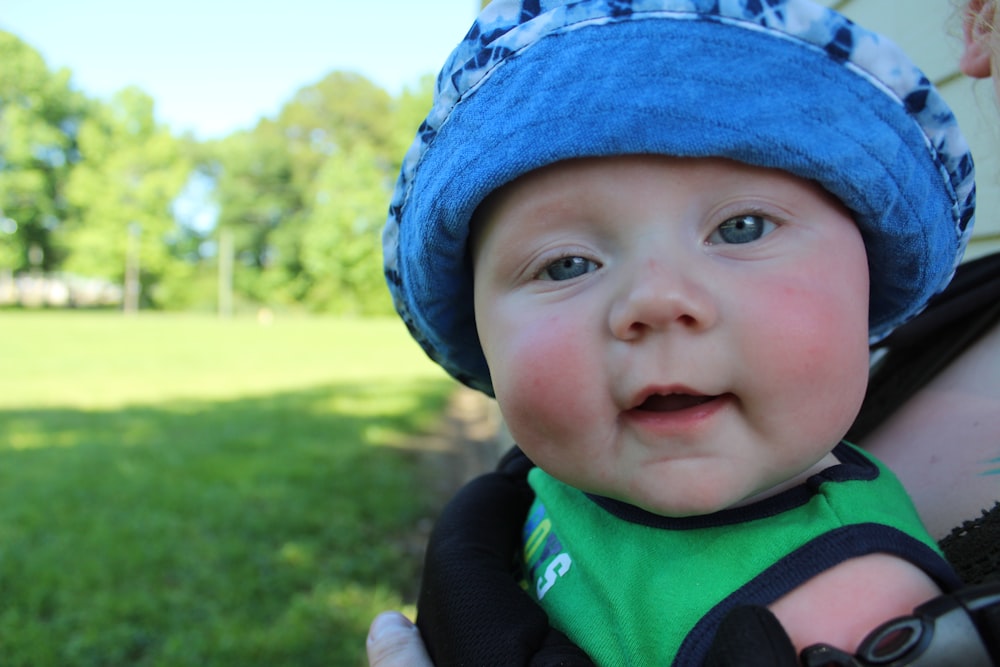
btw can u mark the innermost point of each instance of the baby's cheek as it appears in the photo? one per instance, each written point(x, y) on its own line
point(547, 378)
point(820, 354)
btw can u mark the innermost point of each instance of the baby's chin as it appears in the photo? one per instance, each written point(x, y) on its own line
point(708, 499)
point(696, 502)
point(693, 489)
point(682, 510)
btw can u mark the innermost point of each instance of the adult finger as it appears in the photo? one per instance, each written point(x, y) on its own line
point(393, 641)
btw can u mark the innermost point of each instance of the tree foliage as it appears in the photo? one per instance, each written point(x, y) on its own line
point(39, 118)
point(94, 184)
point(120, 193)
point(340, 235)
point(306, 194)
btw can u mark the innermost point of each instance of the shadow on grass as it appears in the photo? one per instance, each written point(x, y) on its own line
point(262, 531)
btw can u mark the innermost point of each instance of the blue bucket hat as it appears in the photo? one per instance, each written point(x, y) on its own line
point(786, 84)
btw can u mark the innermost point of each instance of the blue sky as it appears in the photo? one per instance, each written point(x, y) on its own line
point(215, 66)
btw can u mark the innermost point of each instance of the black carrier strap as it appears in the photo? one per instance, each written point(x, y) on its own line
point(921, 348)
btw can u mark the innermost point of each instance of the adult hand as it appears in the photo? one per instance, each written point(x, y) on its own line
point(393, 641)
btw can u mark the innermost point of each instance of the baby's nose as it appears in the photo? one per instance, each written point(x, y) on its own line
point(660, 295)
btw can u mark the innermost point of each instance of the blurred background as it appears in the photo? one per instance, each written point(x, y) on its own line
point(148, 148)
point(217, 444)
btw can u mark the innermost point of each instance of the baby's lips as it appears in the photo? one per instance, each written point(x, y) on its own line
point(672, 402)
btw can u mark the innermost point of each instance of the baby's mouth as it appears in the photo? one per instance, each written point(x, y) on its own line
point(672, 402)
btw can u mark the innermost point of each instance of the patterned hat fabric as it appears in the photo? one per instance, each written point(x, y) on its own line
point(786, 84)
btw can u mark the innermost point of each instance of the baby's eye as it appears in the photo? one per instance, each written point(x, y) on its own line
point(567, 268)
point(742, 229)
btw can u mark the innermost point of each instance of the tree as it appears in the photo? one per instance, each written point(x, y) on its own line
point(331, 253)
point(305, 195)
point(336, 114)
point(255, 194)
point(339, 247)
point(131, 171)
point(39, 117)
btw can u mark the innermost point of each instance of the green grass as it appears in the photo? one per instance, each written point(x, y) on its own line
point(183, 491)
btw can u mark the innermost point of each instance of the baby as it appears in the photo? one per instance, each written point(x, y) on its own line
point(662, 233)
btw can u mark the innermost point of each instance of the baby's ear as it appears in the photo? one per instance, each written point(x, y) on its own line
point(977, 31)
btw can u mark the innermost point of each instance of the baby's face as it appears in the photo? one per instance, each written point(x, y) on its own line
point(680, 334)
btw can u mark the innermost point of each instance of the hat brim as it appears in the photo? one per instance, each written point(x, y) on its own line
point(688, 88)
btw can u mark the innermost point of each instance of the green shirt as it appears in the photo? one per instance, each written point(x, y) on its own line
point(634, 588)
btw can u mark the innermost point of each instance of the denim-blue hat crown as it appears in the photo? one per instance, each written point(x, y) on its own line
point(787, 84)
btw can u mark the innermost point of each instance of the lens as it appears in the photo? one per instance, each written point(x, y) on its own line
point(891, 641)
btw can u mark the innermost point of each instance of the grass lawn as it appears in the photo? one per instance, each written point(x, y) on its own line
point(179, 490)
